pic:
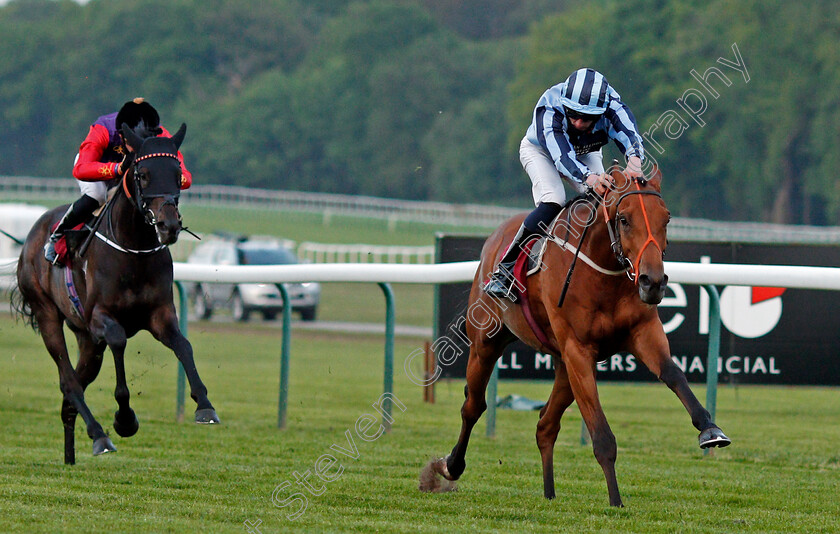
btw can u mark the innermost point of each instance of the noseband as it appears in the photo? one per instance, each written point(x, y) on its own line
point(139, 198)
point(614, 232)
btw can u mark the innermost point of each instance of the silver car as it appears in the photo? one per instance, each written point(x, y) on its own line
point(244, 299)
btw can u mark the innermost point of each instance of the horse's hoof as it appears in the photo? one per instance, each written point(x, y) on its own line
point(206, 416)
point(123, 428)
point(103, 445)
point(713, 437)
point(433, 479)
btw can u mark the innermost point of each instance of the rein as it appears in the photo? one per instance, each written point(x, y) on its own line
point(139, 202)
point(615, 239)
point(113, 244)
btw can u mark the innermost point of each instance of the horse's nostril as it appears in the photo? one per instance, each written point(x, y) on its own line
point(644, 281)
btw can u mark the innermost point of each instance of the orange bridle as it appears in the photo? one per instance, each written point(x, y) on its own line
point(615, 239)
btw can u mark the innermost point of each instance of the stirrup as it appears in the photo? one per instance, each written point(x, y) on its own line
point(49, 250)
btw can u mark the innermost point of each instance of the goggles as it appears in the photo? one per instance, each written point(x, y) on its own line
point(575, 115)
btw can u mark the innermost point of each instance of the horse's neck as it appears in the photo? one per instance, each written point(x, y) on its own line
point(593, 241)
point(129, 225)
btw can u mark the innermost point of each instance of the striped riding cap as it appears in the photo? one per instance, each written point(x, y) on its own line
point(586, 92)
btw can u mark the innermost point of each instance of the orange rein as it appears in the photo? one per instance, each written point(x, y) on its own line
point(650, 238)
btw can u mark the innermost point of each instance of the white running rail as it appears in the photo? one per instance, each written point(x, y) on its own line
point(826, 278)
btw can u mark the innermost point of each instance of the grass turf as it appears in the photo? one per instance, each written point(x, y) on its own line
point(780, 475)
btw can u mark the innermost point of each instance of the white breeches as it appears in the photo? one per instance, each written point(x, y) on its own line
point(546, 180)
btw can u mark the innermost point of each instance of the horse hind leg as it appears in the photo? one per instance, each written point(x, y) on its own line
point(549, 424)
point(68, 420)
point(480, 366)
point(72, 387)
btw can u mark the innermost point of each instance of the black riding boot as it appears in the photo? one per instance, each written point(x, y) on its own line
point(77, 213)
point(501, 281)
point(535, 224)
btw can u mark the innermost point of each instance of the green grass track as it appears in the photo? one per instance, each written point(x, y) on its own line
point(781, 474)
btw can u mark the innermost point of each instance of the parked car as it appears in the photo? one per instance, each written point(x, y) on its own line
point(244, 299)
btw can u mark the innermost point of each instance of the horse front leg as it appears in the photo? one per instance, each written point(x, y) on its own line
point(164, 327)
point(125, 420)
point(549, 424)
point(650, 344)
point(105, 328)
point(580, 364)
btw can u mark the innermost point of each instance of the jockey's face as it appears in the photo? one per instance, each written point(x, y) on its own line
point(581, 121)
point(582, 125)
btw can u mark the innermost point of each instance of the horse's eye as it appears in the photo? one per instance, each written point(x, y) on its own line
point(623, 220)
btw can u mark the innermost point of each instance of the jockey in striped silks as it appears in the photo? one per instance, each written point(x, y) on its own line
point(572, 121)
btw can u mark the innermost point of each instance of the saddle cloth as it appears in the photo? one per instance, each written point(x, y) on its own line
point(69, 241)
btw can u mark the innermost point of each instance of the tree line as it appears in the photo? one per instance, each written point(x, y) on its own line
point(428, 99)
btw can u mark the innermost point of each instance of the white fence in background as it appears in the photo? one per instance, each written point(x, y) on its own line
point(826, 278)
point(337, 253)
point(392, 210)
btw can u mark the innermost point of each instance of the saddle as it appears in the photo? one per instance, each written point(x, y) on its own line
point(71, 241)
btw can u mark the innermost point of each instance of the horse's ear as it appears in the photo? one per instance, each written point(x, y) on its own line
point(131, 139)
point(179, 135)
point(654, 178)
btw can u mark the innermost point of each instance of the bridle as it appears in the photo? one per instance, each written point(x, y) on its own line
point(139, 198)
point(613, 228)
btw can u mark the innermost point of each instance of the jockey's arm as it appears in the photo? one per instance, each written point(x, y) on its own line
point(634, 167)
point(624, 131)
point(88, 167)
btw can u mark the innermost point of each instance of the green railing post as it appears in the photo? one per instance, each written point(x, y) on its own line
point(183, 306)
point(714, 352)
point(492, 389)
point(390, 321)
point(285, 349)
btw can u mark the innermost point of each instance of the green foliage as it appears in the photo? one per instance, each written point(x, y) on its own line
point(428, 99)
point(765, 151)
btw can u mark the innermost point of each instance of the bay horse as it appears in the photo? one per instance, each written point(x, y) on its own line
point(607, 306)
point(119, 285)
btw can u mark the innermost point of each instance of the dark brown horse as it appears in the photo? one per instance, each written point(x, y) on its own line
point(609, 306)
point(122, 284)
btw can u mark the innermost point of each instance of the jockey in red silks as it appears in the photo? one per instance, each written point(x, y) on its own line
point(103, 157)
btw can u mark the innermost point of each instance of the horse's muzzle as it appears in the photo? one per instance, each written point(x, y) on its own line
point(651, 291)
point(168, 231)
point(167, 223)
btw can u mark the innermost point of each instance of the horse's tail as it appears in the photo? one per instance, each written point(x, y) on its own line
point(21, 307)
